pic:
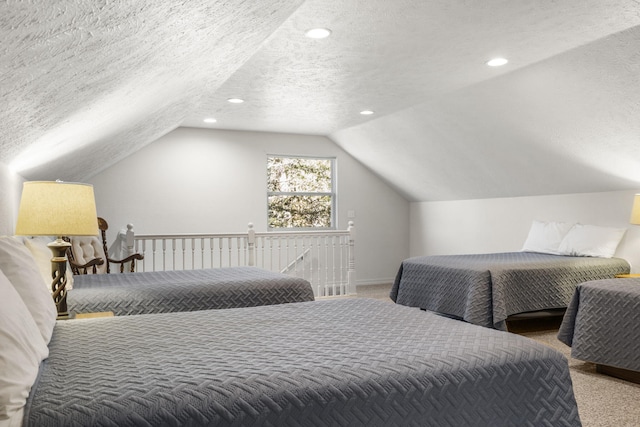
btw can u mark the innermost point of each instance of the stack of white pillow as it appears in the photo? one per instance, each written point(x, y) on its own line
point(563, 238)
point(27, 318)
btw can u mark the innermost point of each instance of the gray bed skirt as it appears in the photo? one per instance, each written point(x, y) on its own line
point(485, 289)
point(185, 290)
point(347, 362)
point(601, 323)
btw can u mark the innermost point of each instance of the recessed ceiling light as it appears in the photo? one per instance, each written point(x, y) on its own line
point(318, 33)
point(209, 120)
point(497, 62)
point(366, 112)
point(235, 100)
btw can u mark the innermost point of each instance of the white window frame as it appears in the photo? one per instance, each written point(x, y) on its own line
point(332, 194)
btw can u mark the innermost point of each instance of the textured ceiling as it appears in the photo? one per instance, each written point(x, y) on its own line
point(86, 83)
point(567, 124)
point(91, 82)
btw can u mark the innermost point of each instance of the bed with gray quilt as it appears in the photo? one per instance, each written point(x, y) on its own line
point(186, 290)
point(485, 289)
point(347, 362)
point(601, 323)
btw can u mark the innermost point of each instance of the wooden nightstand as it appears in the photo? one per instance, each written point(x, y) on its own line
point(93, 315)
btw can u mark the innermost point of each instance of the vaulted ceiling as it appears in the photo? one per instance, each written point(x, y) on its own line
point(85, 83)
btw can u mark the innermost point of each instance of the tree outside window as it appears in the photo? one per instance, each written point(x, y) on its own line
point(300, 192)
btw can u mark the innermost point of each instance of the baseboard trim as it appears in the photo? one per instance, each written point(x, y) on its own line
point(371, 282)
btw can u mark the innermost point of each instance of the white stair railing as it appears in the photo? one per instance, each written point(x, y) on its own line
point(325, 258)
point(293, 265)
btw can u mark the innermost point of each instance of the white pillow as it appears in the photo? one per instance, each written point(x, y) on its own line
point(21, 352)
point(42, 254)
point(545, 237)
point(591, 240)
point(20, 268)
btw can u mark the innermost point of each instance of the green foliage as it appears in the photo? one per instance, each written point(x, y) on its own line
point(288, 174)
point(287, 178)
point(299, 211)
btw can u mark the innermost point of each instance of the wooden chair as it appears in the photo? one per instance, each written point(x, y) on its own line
point(88, 254)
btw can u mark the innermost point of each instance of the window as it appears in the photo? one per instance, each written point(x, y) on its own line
point(300, 192)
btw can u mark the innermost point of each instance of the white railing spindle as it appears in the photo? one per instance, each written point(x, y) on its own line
point(324, 258)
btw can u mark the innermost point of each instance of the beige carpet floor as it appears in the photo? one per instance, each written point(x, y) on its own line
point(603, 401)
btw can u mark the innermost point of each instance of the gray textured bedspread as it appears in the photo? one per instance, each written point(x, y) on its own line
point(347, 362)
point(187, 290)
point(485, 289)
point(601, 323)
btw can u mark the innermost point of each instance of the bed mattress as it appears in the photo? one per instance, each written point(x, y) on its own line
point(485, 289)
point(601, 323)
point(185, 290)
point(347, 362)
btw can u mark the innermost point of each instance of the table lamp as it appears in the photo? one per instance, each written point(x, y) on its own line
point(635, 210)
point(56, 208)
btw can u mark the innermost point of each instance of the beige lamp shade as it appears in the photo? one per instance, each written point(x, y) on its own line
point(55, 208)
point(635, 210)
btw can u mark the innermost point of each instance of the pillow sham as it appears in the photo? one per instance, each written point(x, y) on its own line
point(20, 268)
point(545, 237)
point(591, 240)
point(21, 352)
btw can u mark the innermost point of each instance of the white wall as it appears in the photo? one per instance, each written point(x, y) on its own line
point(10, 191)
point(501, 225)
point(199, 181)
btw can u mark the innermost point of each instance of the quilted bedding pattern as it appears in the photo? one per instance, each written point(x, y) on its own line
point(485, 289)
point(601, 323)
point(187, 290)
point(348, 362)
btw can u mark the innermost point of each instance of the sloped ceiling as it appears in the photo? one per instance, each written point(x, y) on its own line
point(567, 124)
point(86, 83)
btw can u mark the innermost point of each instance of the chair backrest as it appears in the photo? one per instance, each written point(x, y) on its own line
point(103, 226)
point(87, 248)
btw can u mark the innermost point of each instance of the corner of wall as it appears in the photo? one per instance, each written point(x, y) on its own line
point(10, 190)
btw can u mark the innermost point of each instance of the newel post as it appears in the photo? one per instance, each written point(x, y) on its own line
point(351, 271)
point(251, 240)
point(130, 240)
